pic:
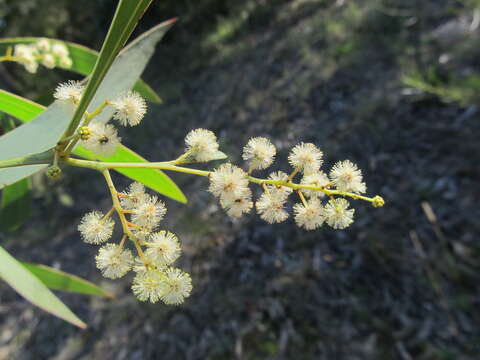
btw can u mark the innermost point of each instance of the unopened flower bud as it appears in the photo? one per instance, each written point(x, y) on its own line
point(54, 172)
point(84, 133)
point(378, 201)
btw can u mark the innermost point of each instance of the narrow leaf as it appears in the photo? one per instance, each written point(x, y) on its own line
point(16, 205)
point(126, 16)
point(19, 107)
point(25, 110)
point(122, 75)
point(59, 280)
point(32, 289)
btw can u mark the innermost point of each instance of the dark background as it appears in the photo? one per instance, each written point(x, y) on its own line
point(389, 84)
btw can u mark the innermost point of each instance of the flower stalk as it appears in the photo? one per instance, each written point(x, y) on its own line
point(169, 166)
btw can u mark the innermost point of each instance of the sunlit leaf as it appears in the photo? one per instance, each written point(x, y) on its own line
point(122, 75)
point(32, 289)
point(25, 110)
point(16, 205)
point(59, 280)
point(126, 17)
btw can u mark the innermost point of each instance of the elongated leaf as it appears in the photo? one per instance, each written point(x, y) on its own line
point(126, 16)
point(59, 280)
point(19, 107)
point(32, 289)
point(25, 110)
point(16, 201)
point(83, 62)
point(127, 68)
point(16, 205)
point(33, 137)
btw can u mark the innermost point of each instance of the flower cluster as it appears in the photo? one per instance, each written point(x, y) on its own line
point(44, 52)
point(322, 198)
point(230, 184)
point(155, 278)
point(102, 138)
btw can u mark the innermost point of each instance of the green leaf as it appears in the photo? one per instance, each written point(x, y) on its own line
point(32, 289)
point(31, 138)
point(16, 205)
point(59, 280)
point(126, 69)
point(16, 199)
point(83, 60)
point(25, 110)
point(19, 107)
point(126, 16)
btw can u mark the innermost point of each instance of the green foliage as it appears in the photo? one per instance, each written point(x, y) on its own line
point(31, 138)
point(126, 17)
point(25, 110)
point(462, 91)
point(32, 289)
point(16, 205)
point(60, 280)
point(83, 62)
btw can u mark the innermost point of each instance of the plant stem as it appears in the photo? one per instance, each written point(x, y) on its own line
point(300, 195)
point(167, 165)
point(88, 117)
point(9, 58)
point(40, 158)
point(118, 208)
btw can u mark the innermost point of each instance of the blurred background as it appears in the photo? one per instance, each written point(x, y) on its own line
point(392, 85)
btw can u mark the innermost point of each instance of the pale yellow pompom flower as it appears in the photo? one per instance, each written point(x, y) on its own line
point(43, 45)
point(259, 152)
point(142, 232)
point(130, 109)
point(201, 144)
point(306, 157)
point(69, 92)
point(279, 176)
point(149, 212)
point(317, 179)
point(238, 204)
point(337, 214)
point(60, 50)
point(133, 196)
point(31, 65)
point(347, 177)
point(270, 206)
point(113, 261)
point(176, 286)
point(228, 181)
point(65, 61)
point(48, 60)
point(26, 55)
point(95, 228)
point(22, 50)
point(147, 285)
point(309, 215)
point(103, 140)
point(163, 248)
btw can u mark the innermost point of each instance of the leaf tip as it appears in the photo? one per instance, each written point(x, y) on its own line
point(109, 295)
point(171, 21)
point(82, 325)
